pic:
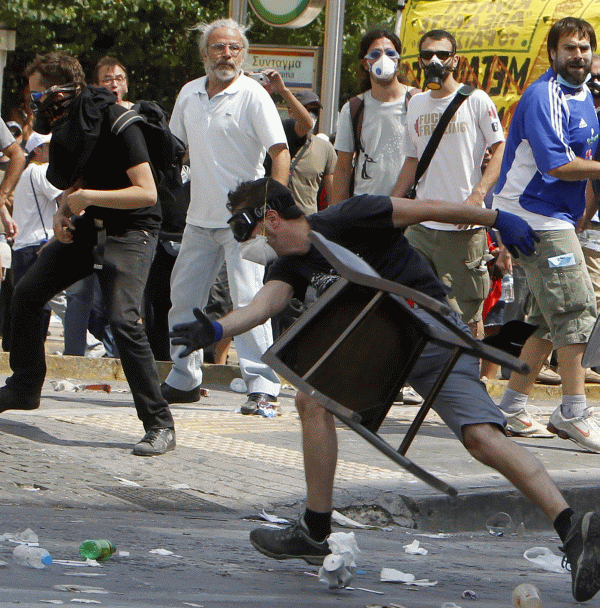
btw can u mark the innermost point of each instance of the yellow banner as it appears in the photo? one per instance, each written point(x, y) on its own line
point(502, 43)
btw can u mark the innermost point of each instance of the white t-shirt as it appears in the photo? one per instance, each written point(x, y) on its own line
point(455, 167)
point(25, 210)
point(382, 132)
point(228, 137)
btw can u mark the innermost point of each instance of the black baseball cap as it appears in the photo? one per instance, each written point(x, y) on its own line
point(307, 98)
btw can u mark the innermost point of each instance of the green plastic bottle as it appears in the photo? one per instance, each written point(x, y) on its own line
point(96, 549)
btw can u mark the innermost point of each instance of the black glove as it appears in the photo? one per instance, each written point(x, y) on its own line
point(197, 334)
point(516, 234)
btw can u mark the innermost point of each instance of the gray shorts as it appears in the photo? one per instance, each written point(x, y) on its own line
point(463, 398)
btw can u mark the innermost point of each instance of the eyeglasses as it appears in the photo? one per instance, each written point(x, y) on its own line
point(219, 47)
point(108, 79)
point(243, 222)
point(443, 55)
point(377, 53)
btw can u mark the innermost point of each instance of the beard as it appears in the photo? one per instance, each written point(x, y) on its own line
point(224, 71)
point(562, 68)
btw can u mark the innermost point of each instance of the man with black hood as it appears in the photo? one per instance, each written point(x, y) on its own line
point(108, 216)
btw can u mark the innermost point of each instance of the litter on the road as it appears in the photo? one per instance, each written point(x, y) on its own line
point(497, 523)
point(341, 520)
point(414, 549)
point(334, 573)
point(390, 575)
point(351, 588)
point(467, 594)
point(344, 544)
point(126, 482)
point(543, 558)
point(78, 563)
point(72, 387)
point(274, 519)
point(80, 589)
point(526, 596)
point(27, 536)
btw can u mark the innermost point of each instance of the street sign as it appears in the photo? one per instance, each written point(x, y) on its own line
point(298, 65)
point(287, 13)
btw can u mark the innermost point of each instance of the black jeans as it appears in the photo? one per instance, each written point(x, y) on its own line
point(127, 260)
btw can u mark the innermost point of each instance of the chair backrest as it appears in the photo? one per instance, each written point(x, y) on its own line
point(356, 346)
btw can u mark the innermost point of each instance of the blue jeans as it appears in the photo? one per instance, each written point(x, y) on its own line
point(127, 260)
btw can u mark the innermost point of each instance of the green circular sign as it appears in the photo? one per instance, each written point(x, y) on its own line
point(287, 13)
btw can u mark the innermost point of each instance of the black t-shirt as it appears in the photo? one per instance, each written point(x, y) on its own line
point(363, 224)
point(106, 169)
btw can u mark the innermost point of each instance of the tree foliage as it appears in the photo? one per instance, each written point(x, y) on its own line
point(153, 39)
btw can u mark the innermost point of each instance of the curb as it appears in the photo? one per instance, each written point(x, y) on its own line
point(89, 368)
point(107, 369)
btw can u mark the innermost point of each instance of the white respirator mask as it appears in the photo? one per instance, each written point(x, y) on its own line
point(384, 68)
point(258, 250)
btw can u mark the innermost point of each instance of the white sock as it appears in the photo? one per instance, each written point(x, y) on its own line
point(573, 406)
point(513, 402)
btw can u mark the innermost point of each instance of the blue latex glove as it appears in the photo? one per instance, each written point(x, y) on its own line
point(516, 234)
point(198, 334)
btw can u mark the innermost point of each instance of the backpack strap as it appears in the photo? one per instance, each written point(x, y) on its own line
point(124, 120)
point(357, 112)
point(438, 132)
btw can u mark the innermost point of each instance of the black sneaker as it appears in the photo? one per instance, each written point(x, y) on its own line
point(174, 395)
point(289, 543)
point(254, 401)
point(9, 400)
point(582, 552)
point(155, 442)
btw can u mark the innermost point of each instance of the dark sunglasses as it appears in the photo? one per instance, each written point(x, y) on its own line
point(442, 55)
point(243, 222)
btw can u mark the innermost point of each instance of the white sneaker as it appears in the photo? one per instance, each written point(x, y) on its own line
point(583, 430)
point(521, 424)
point(409, 396)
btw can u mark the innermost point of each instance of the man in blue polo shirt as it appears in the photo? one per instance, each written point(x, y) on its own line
point(548, 158)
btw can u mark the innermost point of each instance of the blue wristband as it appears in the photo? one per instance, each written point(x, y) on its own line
point(218, 330)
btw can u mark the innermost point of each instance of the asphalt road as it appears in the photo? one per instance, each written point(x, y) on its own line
point(214, 565)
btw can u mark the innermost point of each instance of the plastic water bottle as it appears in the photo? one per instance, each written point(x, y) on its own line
point(32, 557)
point(526, 596)
point(508, 288)
point(96, 549)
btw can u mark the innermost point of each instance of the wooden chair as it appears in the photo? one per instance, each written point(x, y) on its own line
point(353, 350)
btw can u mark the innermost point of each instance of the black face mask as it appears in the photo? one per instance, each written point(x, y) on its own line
point(435, 74)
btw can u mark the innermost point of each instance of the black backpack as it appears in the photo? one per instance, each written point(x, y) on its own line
point(166, 151)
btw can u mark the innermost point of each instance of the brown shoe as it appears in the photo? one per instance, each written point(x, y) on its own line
point(548, 376)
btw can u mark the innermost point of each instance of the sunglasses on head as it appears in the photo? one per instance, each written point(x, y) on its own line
point(442, 55)
point(377, 53)
point(242, 222)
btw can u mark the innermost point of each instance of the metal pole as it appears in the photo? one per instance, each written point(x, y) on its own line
point(399, 8)
point(238, 10)
point(332, 64)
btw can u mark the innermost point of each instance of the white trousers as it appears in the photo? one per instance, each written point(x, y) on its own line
point(200, 258)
